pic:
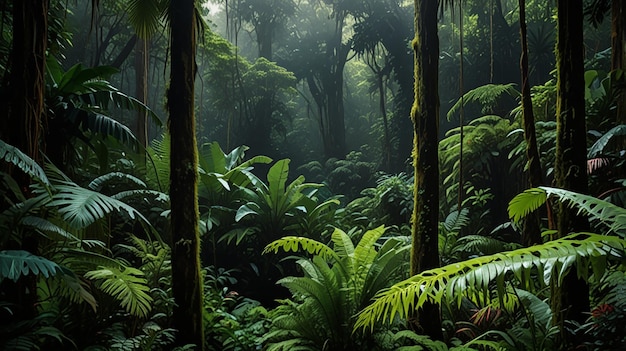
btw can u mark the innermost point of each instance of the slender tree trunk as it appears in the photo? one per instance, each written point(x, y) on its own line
point(186, 279)
point(618, 51)
point(425, 115)
point(532, 229)
point(141, 94)
point(572, 301)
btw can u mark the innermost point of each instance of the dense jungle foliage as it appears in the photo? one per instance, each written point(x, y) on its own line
point(313, 175)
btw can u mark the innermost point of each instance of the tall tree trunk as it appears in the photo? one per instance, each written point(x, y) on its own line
point(425, 115)
point(532, 229)
point(618, 51)
point(572, 301)
point(25, 117)
point(186, 279)
point(141, 94)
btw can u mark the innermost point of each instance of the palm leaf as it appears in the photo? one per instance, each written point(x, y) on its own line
point(116, 177)
point(598, 148)
point(612, 216)
point(127, 286)
point(455, 280)
point(13, 155)
point(48, 227)
point(82, 207)
point(16, 263)
point(293, 243)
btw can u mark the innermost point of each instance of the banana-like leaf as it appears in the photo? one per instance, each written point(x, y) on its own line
point(598, 147)
point(128, 286)
point(16, 263)
point(13, 155)
point(458, 279)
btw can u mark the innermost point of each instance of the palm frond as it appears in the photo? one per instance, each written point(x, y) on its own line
point(612, 216)
point(146, 16)
point(82, 207)
point(19, 159)
point(294, 243)
point(101, 181)
point(552, 258)
point(45, 226)
point(526, 202)
point(128, 286)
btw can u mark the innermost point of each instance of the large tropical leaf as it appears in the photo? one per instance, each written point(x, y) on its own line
point(82, 207)
point(115, 177)
point(598, 148)
point(16, 263)
point(475, 275)
point(13, 155)
point(611, 216)
point(128, 286)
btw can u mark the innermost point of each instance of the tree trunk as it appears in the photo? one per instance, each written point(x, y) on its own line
point(572, 301)
point(186, 279)
point(25, 118)
point(532, 229)
point(618, 51)
point(425, 116)
point(141, 92)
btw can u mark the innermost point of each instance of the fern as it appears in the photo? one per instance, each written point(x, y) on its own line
point(487, 96)
point(456, 280)
point(127, 286)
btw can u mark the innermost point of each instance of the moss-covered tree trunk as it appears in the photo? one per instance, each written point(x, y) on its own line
point(425, 116)
point(532, 230)
point(572, 301)
point(186, 279)
point(141, 93)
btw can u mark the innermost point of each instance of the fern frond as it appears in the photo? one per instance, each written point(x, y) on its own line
point(486, 95)
point(552, 258)
point(294, 243)
point(342, 244)
point(127, 286)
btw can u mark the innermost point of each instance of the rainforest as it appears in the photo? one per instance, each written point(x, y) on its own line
point(319, 175)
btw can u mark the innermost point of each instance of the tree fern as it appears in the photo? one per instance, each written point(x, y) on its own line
point(486, 95)
point(128, 286)
point(475, 275)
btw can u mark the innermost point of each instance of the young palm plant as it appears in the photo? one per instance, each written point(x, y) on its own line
point(338, 281)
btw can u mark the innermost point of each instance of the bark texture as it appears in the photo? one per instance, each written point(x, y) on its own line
point(572, 301)
point(425, 116)
point(186, 279)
